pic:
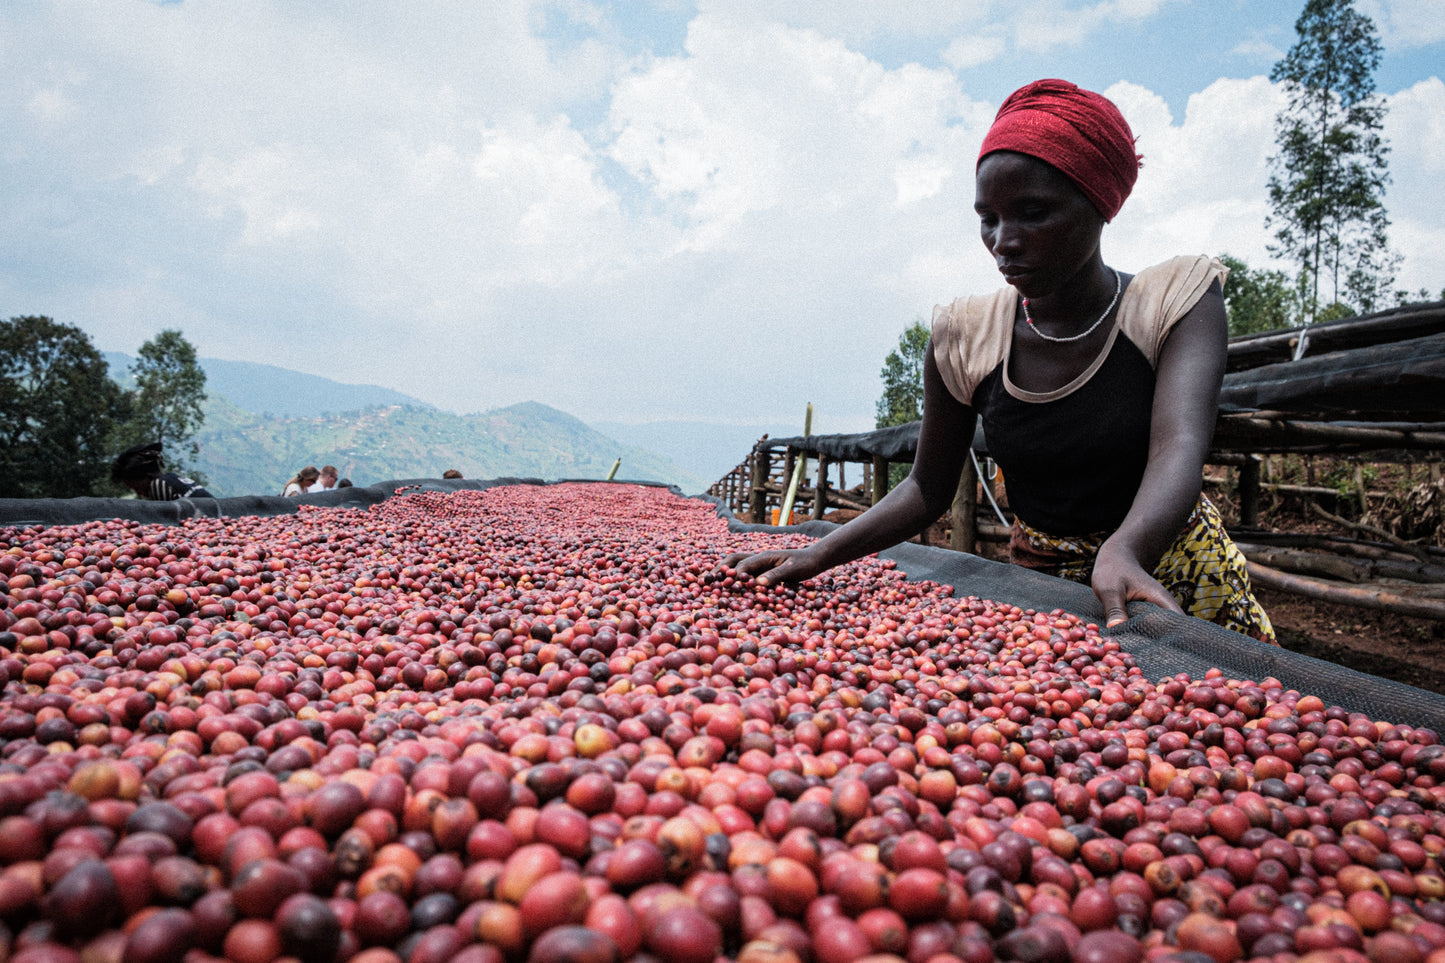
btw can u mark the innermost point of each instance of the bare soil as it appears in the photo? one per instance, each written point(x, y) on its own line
point(1383, 644)
point(1379, 643)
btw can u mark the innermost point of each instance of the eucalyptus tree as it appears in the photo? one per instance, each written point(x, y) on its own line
point(1327, 181)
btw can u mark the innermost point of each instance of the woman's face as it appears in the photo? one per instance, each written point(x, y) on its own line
point(1042, 231)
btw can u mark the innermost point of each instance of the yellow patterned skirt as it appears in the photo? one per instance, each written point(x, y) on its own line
point(1203, 569)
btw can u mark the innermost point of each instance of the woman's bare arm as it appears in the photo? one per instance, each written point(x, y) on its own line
point(1186, 404)
point(943, 442)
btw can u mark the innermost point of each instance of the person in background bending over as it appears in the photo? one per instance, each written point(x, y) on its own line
point(325, 482)
point(141, 469)
point(1098, 389)
point(301, 482)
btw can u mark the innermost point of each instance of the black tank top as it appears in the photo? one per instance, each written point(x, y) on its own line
point(1073, 465)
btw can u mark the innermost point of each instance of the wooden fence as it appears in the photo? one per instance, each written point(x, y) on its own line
point(1365, 388)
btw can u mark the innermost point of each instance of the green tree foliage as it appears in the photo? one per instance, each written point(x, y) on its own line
point(902, 376)
point(1418, 297)
point(58, 411)
point(170, 388)
point(1327, 183)
point(1258, 300)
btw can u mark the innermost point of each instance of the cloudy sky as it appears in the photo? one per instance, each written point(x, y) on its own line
point(631, 210)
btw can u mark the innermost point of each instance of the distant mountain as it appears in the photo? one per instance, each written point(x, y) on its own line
point(264, 423)
point(246, 453)
point(268, 389)
point(708, 450)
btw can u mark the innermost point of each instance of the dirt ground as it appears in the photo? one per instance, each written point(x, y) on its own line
point(1384, 644)
point(1390, 646)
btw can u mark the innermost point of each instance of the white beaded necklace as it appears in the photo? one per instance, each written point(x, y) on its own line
point(1118, 286)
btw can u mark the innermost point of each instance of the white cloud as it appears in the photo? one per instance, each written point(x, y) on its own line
point(269, 186)
point(1042, 24)
point(1415, 128)
point(784, 122)
point(974, 50)
point(1202, 186)
point(856, 23)
point(480, 204)
point(51, 105)
point(1406, 24)
point(1256, 50)
point(549, 179)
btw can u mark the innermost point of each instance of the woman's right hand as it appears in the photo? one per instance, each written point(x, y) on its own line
point(777, 565)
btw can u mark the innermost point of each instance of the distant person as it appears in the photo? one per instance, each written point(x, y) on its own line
point(326, 482)
point(303, 480)
point(344, 483)
point(141, 469)
point(451, 473)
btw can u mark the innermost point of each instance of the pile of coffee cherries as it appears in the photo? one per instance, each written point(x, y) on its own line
point(544, 724)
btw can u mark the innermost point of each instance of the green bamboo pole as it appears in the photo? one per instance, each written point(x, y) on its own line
point(800, 468)
point(613, 472)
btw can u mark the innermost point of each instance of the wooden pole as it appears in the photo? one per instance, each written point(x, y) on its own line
point(820, 494)
point(880, 478)
point(964, 536)
point(1249, 492)
point(758, 496)
point(1345, 595)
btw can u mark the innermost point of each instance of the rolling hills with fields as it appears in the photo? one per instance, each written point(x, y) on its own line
point(263, 423)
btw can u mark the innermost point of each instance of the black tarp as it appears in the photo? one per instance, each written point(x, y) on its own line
point(69, 511)
point(891, 444)
point(1397, 324)
point(1402, 380)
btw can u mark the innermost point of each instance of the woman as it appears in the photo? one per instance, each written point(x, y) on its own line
point(140, 469)
point(1098, 389)
point(302, 480)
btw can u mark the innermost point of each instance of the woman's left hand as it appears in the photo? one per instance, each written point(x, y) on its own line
point(1120, 579)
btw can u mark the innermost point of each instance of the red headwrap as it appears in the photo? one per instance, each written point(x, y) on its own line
point(1075, 130)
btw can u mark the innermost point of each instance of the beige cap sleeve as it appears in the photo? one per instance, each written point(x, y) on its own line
point(970, 338)
point(1160, 295)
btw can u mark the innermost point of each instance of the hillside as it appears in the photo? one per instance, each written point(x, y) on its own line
point(246, 453)
point(265, 388)
point(264, 423)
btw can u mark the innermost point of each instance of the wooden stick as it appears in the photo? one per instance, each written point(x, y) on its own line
point(1393, 539)
point(1333, 566)
point(1253, 433)
point(820, 492)
point(1345, 595)
point(964, 513)
point(1332, 543)
point(880, 478)
point(757, 488)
